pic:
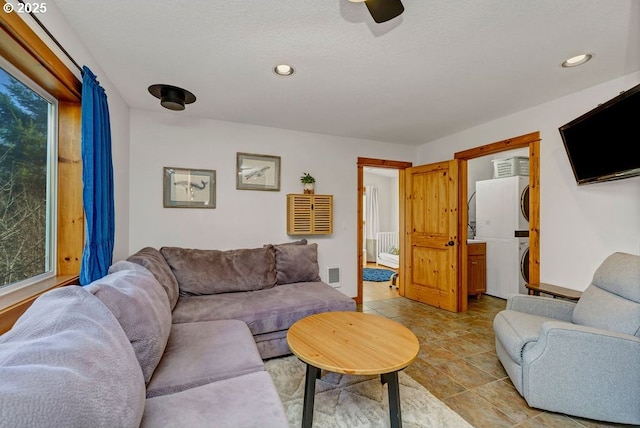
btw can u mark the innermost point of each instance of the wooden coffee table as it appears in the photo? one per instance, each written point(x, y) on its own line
point(352, 343)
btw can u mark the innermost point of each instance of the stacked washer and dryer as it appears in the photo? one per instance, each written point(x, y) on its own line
point(502, 221)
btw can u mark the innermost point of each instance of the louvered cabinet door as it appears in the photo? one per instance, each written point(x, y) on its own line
point(309, 214)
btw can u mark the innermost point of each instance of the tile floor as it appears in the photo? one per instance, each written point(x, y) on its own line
point(457, 361)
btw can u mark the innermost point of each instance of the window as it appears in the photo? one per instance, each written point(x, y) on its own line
point(27, 181)
point(30, 60)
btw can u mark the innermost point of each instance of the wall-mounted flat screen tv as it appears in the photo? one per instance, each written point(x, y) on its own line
point(603, 144)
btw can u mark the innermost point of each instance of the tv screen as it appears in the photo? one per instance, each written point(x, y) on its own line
point(603, 144)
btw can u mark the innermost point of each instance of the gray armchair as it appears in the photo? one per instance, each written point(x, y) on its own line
point(583, 358)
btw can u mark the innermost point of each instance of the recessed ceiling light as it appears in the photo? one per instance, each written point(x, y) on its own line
point(283, 70)
point(576, 60)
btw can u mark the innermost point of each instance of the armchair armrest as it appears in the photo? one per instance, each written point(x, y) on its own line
point(584, 371)
point(542, 306)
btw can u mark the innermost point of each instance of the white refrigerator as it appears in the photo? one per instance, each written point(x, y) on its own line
point(499, 215)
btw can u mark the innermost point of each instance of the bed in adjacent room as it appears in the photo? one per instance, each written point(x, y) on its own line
point(387, 249)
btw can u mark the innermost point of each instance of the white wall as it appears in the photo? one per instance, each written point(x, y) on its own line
point(118, 111)
point(243, 218)
point(580, 226)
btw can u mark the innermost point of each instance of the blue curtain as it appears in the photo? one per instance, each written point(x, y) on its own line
point(97, 179)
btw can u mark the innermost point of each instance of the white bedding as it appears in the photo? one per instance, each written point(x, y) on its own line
point(390, 260)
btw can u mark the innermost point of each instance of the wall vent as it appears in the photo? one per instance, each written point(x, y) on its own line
point(333, 276)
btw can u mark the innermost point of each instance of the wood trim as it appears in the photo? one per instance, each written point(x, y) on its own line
point(70, 206)
point(532, 141)
point(534, 210)
point(499, 146)
point(377, 163)
point(383, 163)
point(402, 209)
point(360, 212)
point(8, 316)
point(463, 274)
point(25, 50)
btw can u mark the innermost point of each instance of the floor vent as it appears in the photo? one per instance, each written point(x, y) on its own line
point(333, 276)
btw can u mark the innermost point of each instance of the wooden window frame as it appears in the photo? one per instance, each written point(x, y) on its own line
point(22, 47)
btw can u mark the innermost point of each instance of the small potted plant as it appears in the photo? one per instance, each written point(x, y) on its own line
point(307, 183)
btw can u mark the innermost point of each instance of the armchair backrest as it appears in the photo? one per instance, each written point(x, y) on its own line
point(612, 301)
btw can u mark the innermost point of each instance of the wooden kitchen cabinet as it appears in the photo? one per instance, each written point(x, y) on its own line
point(476, 268)
point(309, 214)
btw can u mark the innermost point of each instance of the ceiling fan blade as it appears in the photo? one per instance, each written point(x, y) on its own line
point(384, 10)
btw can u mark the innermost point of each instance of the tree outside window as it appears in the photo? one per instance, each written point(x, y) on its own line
point(25, 222)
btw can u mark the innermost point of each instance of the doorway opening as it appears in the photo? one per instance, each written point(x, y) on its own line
point(387, 178)
point(529, 141)
point(498, 222)
point(530, 145)
point(380, 223)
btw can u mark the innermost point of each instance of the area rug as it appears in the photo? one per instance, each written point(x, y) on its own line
point(376, 275)
point(343, 401)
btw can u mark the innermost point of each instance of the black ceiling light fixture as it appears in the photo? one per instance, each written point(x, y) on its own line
point(172, 97)
point(383, 10)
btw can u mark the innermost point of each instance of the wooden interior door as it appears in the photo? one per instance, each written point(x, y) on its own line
point(430, 269)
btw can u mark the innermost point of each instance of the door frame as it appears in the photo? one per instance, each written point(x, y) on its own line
point(378, 163)
point(532, 141)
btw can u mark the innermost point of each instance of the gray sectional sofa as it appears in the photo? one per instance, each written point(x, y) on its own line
point(170, 337)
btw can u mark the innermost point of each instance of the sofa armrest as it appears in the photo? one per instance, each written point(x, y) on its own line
point(542, 306)
point(584, 371)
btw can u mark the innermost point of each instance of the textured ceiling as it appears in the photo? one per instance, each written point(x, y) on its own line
point(441, 67)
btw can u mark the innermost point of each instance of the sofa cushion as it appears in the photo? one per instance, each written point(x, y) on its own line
point(517, 330)
point(612, 301)
point(203, 352)
point(272, 344)
point(67, 363)
point(202, 272)
point(297, 263)
point(620, 274)
point(601, 309)
point(155, 263)
point(248, 401)
point(302, 241)
point(141, 306)
point(265, 311)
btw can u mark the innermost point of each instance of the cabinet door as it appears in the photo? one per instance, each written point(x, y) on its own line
point(476, 269)
point(298, 214)
point(322, 209)
point(309, 214)
point(477, 274)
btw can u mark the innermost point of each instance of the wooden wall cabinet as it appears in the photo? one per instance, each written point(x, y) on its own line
point(309, 214)
point(477, 268)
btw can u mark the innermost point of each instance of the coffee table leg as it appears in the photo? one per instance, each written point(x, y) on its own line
point(309, 395)
point(394, 398)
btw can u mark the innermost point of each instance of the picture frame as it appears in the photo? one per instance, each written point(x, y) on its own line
point(189, 188)
point(257, 172)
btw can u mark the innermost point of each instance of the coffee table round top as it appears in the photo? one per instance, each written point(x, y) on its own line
point(353, 343)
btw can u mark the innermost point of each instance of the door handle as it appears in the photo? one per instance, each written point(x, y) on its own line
point(451, 244)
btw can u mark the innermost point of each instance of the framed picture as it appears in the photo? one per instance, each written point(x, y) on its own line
point(257, 172)
point(189, 188)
